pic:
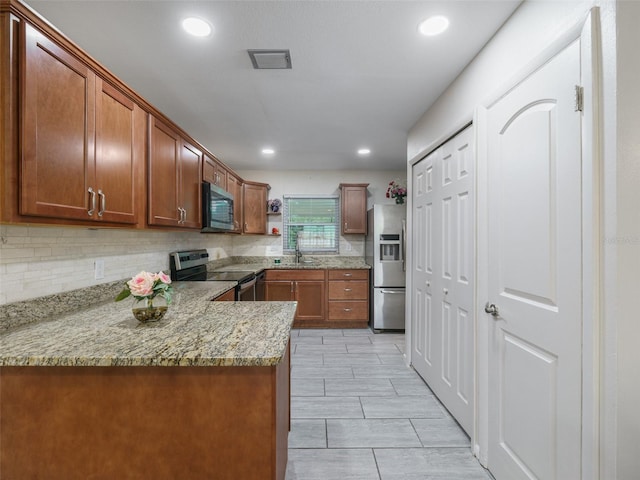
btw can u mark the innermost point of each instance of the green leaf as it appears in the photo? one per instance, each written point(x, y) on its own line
point(123, 294)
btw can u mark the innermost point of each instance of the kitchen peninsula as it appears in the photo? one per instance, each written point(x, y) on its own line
point(203, 393)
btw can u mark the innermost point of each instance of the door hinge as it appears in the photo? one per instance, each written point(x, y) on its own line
point(579, 106)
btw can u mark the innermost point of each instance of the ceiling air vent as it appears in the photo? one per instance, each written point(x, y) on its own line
point(269, 59)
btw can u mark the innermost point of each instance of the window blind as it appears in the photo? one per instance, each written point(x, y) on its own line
point(312, 222)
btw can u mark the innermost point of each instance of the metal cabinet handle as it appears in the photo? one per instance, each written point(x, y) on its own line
point(291, 287)
point(345, 225)
point(246, 226)
point(348, 275)
point(184, 215)
point(93, 201)
point(347, 289)
point(347, 309)
point(492, 309)
point(103, 202)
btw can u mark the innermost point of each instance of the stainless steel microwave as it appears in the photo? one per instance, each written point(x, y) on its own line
point(217, 209)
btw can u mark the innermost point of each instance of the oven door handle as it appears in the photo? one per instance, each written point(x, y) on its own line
point(247, 285)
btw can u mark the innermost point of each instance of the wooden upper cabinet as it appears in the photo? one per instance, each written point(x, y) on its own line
point(353, 200)
point(234, 187)
point(214, 172)
point(190, 185)
point(58, 130)
point(83, 142)
point(164, 159)
point(120, 155)
point(174, 178)
point(255, 207)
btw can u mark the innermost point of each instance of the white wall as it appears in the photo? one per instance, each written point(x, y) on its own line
point(314, 183)
point(533, 27)
point(37, 261)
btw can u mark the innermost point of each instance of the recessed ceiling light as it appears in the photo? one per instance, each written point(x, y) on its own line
point(196, 27)
point(268, 151)
point(433, 25)
point(364, 151)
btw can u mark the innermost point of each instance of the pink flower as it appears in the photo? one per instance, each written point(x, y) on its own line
point(142, 284)
point(163, 277)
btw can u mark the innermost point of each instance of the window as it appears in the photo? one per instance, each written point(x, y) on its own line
point(312, 222)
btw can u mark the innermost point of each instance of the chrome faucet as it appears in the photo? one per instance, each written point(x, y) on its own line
point(298, 252)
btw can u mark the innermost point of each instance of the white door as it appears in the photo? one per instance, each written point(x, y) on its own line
point(534, 277)
point(443, 274)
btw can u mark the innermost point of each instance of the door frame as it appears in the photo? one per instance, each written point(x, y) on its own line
point(588, 32)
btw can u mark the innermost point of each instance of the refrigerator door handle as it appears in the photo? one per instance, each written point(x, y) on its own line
point(402, 292)
point(404, 245)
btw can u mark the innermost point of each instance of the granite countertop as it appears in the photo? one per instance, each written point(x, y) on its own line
point(195, 332)
point(331, 263)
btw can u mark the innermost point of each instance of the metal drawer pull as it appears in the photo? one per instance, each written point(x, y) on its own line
point(347, 309)
point(93, 201)
point(348, 275)
point(103, 203)
point(347, 289)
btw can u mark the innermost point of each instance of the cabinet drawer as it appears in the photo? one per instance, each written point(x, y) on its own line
point(349, 274)
point(349, 310)
point(348, 290)
point(290, 275)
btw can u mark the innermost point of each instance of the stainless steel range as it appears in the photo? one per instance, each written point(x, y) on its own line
point(191, 265)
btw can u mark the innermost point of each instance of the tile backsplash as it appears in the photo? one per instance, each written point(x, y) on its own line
point(39, 260)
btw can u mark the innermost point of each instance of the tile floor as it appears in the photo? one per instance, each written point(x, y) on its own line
point(357, 412)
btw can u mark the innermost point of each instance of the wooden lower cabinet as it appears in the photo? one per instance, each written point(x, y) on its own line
point(348, 298)
point(228, 296)
point(307, 287)
point(145, 422)
point(326, 298)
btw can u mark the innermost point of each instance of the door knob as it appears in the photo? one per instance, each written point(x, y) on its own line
point(492, 309)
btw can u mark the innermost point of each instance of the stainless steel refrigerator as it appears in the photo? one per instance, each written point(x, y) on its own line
point(385, 252)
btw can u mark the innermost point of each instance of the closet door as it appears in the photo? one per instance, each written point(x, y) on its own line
point(443, 274)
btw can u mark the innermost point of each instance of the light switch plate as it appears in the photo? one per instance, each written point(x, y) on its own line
point(98, 269)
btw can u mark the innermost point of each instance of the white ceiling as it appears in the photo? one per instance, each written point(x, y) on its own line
point(362, 75)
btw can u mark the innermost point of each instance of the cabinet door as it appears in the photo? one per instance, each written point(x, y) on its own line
point(164, 155)
point(311, 301)
point(255, 208)
point(209, 170)
point(234, 187)
point(120, 150)
point(354, 209)
point(279, 291)
point(190, 184)
point(58, 130)
point(214, 173)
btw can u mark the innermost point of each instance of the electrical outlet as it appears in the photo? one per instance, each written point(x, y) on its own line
point(98, 269)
